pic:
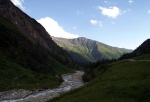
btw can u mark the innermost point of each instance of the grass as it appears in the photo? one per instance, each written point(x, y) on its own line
point(144, 57)
point(88, 50)
point(124, 81)
point(15, 76)
point(59, 68)
point(26, 65)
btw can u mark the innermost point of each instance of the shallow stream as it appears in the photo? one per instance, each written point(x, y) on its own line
point(71, 81)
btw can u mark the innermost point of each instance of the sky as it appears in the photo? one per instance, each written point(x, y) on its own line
point(119, 23)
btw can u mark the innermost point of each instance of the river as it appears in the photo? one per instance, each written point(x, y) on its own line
point(71, 81)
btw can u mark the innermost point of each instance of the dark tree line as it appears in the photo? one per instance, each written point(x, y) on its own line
point(94, 69)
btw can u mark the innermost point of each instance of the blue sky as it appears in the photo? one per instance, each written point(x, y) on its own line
point(119, 23)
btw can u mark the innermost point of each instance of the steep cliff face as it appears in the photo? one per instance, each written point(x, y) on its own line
point(28, 26)
point(34, 31)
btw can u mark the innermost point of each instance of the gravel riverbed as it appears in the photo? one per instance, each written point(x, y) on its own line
point(71, 81)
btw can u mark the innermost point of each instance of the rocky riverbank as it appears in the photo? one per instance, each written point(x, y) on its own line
point(71, 81)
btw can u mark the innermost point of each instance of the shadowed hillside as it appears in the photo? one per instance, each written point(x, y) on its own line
point(28, 56)
point(144, 48)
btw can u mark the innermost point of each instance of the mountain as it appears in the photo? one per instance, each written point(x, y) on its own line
point(34, 31)
point(29, 58)
point(144, 48)
point(83, 50)
point(117, 81)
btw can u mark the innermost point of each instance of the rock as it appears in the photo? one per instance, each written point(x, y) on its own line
point(14, 94)
point(71, 81)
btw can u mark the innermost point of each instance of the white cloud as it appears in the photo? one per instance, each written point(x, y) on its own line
point(130, 1)
point(54, 29)
point(148, 11)
point(112, 12)
point(93, 22)
point(19, 3)
point(96, 22)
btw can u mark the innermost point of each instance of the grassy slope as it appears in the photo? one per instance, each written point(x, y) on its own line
point(144, 57)
point(124, 81)
point(23, 64)
point(76, 48)
point(89, 51)
point(110, 52)
point(13, 75)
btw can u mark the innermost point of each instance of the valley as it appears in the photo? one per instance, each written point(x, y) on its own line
point(123, 81)
point(37, 67)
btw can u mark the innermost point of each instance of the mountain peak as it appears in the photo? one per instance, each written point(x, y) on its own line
point(82, 38)
point(34, 31)
point(85, 50)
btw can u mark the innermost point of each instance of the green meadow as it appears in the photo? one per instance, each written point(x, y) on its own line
point(123, 81)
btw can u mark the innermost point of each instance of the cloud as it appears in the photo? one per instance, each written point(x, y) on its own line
point(54, 29)
point(93, 22)
point(130, 1)
point(112, 12)
point(19, 3)
point(148, 11)
point(96, 22)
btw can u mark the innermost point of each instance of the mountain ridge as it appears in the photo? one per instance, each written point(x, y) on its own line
point(29, 58)
point(33, 30)
point(87, 50)
point(144, 48)
point(29, 26)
